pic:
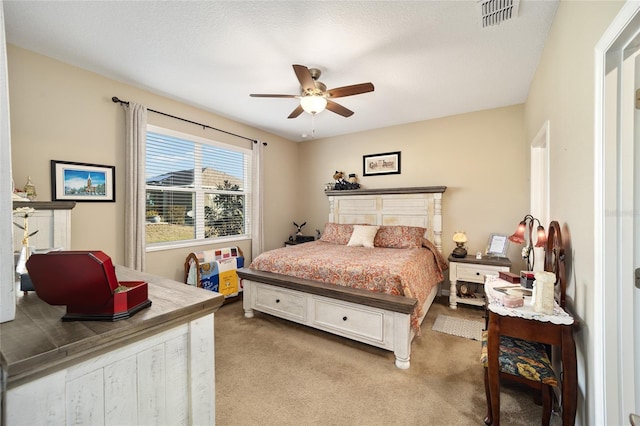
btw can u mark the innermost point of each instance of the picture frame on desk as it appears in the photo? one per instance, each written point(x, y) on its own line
point(497, 246)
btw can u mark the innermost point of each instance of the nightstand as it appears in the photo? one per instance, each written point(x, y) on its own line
point(470, 269)
point(300, 239)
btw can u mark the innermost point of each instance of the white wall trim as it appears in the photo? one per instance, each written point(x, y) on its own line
point(7, 275)
point(539, 184)
point(604, 387)
point(540, 177)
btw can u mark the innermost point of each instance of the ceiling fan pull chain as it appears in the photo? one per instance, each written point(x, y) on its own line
point(313, 126)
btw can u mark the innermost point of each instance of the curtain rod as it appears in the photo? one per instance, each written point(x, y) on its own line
point(121, 102)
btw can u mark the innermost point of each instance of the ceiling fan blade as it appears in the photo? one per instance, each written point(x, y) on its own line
point(296, 112)
point(304, 77)
point(339, 109)
point(261, 95)
point(355, 89)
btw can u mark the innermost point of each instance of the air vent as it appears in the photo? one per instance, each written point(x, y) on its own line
point(494, 12)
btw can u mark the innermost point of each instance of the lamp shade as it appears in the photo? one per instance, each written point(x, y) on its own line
point(313, 104)
point(542, 237)
point(518, 236)
point(459, 237)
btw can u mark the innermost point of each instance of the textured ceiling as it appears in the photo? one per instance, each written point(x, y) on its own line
point(427, 59)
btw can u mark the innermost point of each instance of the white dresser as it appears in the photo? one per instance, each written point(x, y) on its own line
point(156, 367)
point(52, 220)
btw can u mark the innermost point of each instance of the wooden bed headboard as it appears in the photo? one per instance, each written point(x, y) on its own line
point(421, 206)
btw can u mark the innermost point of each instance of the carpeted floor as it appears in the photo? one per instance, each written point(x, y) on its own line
point(274, 372)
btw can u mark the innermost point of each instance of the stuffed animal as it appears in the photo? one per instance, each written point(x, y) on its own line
point(341, 183)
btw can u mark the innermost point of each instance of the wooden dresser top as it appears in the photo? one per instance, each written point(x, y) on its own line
point(37, 342)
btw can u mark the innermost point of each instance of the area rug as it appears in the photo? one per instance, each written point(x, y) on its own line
point(458, 327)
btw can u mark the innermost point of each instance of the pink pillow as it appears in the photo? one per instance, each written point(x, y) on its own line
point(337, 233)
point(399, 237)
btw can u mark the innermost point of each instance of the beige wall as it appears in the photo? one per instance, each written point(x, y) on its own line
point(480, 157)
point(65, 113)
point(563, 93)
point(61, 112)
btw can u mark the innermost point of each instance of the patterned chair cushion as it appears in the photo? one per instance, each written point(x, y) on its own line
point(522, 358)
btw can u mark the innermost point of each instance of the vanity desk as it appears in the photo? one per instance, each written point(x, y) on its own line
point(524, 323)
point(555, 329)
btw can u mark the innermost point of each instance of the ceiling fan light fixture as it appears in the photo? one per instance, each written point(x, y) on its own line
point(313, 104)
point(314, 96)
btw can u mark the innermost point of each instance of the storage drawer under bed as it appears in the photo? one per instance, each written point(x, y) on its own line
point(349, 320)
point(281, 302)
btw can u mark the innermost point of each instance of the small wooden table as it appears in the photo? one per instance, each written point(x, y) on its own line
point(524, 323)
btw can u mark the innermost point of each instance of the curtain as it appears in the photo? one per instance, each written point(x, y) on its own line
point(257, 172)
point(135, 191)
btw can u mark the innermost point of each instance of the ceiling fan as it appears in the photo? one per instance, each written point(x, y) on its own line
point(314, 96)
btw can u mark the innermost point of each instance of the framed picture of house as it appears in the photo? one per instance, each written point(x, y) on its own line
point(387, 163)
point(82, 182)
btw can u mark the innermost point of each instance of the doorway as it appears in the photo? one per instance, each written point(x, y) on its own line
point(617, 248)
point(540, 184)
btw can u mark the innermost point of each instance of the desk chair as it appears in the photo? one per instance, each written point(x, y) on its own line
point(526, 361)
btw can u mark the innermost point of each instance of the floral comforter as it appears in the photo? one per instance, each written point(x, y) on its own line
point(404, 272)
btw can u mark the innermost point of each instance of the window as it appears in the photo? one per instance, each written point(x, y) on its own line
point(197, 189)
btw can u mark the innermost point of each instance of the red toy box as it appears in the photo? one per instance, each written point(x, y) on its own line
point(86, 282)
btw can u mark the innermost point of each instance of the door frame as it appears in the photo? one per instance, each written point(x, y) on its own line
point(613, 387)
point(540, 184)
point(7, 271)
point(540, 179)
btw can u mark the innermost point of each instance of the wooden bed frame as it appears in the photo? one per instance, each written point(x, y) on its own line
point(377, 319)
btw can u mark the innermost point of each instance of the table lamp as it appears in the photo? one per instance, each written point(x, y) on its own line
point(519, 237)
point(459, 238)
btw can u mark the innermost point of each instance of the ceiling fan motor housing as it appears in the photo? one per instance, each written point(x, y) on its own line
point(315, 73)
point(320, 86)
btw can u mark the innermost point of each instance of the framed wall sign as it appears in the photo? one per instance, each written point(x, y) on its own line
point(387, 163)
point(498, 245)
point(82, 182)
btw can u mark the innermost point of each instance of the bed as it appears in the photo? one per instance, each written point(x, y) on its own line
point(322, 284)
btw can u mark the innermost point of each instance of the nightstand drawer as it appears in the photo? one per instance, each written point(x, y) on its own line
point(475, 273)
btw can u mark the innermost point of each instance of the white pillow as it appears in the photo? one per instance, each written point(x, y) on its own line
point(363, 236)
